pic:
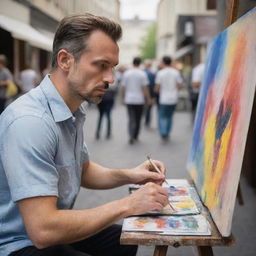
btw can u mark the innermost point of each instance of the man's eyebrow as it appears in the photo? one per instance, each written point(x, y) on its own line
point(106, 61)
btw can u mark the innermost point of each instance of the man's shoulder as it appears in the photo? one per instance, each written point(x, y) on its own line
point(172, 71)
point(25, 108)
point(5, 74)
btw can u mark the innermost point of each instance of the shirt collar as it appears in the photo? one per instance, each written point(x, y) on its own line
point(57, 105)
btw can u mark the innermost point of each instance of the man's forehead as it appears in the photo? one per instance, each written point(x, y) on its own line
point(100, 46)
point(99, 37)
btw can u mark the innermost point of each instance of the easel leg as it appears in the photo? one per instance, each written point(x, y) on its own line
point(204, 251)
point(160, 250)
point(240, 195)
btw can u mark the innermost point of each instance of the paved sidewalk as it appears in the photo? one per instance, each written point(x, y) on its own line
point(116, 152)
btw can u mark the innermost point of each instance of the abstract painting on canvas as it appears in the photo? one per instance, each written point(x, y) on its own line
point(223, 117)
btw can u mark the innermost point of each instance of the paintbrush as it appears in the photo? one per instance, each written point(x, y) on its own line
point(158, 171)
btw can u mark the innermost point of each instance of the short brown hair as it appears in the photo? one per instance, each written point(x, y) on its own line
point(73, 31)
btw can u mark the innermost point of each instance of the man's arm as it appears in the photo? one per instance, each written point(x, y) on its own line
point(46, 225)
point(196, 84)
point(147, 95)
point(98, 177)
point(157, 88)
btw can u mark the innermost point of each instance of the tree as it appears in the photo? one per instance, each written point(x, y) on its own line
point(148, 44)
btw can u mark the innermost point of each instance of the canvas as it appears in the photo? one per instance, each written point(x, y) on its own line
point(223, 117)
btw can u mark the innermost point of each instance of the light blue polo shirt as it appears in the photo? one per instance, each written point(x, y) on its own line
point(41, 154)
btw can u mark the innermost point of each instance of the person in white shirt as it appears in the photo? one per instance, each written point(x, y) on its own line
point(168, 81)
point(28, 79)
point(135, 93)
point(196, 81)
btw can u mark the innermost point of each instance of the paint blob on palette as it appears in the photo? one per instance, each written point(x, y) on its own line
point(178, 191)
point(184, 205)
point(169, 225)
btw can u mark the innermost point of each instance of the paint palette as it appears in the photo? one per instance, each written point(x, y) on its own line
point(184, 205)
point(182, 197)
point(169, 225)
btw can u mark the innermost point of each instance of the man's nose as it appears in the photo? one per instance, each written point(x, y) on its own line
point(109, 76)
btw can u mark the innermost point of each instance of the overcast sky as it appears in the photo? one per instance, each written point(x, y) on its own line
point(145, 9)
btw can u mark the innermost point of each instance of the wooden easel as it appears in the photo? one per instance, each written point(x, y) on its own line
point(230, 19)
point(203, 243)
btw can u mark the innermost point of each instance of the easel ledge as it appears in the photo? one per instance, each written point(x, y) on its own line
point(161, 242)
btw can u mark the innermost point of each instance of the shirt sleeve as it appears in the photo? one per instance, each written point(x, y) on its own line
point(197, 74)
point(179, 78)
point(157, 80)
point(8, 74)
point(145, 79)
point(85, 154)
point(28, 158)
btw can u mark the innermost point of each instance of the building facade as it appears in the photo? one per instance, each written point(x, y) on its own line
point(180, 22)
point(134, 30)
point(27, 27)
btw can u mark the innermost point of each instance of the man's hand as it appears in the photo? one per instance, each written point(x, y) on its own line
point(149, 197)
point(145, 172)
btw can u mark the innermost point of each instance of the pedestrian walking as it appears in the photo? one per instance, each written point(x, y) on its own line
point(151, 85)
point(135, 94)
point(44, 159)
point(168, 81)
point(5, 78)
point(105, 108)
point(196, 81)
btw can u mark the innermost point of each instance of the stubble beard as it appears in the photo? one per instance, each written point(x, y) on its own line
point(84, 97)
point(90, 99)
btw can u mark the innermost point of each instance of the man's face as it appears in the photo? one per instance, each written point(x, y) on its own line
point(88, 77)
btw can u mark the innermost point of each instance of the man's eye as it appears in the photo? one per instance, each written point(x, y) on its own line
point(103, 65)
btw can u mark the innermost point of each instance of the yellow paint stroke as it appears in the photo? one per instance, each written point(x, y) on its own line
point(194, 175)
point(184, 203)
point(213, 177)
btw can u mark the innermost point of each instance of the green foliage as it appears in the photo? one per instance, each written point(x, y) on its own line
point(148, 44)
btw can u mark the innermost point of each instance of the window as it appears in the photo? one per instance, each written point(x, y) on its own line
point(211, 4)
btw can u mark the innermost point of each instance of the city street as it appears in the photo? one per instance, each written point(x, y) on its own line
point(116, 152)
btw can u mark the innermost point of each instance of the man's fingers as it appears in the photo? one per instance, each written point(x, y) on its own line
point(160, 166)
point(155, 176)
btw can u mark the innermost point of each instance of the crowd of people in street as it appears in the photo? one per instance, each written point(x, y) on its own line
point(140, 87)
point(11, 88)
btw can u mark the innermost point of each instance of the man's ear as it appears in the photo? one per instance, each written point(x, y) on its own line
point(64, 59)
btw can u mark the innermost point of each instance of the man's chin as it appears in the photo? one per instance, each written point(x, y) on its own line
point(94, 100)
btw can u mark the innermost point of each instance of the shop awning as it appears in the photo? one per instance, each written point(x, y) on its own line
point(183, 51)
point(23, 31)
